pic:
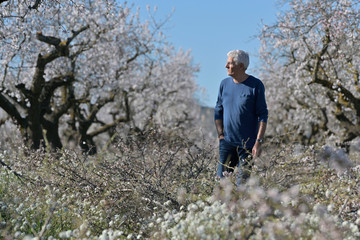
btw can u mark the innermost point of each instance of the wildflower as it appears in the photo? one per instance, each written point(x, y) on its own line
point(30, 238)
point(354, 228)
point(104, 235)
point(337, 159)
point(83, 226)
point(76, 233)
point(328, 193)
point(200, 204)
point(201, 231)
point(357, 221)
point(192, 207)
point(278, 213)
point(273, 194)
point(167, 216)
point(66, 234)
point(20, 207)
point(17, 234)
point(167, 203)
point(330, 207)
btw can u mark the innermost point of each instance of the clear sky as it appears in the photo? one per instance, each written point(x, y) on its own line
point(211, 28)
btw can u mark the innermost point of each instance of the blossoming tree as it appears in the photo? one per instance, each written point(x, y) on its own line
point(72, 70)
point(311, 65)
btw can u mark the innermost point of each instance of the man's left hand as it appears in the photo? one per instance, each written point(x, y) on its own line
point(256, 151)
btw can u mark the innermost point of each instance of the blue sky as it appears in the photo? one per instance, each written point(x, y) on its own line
point(210, 29)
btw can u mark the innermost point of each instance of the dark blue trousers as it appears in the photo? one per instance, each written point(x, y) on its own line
point(231, 156)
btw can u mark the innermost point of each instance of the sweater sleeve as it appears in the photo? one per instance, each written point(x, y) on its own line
point(261, 106)
point(219, 107)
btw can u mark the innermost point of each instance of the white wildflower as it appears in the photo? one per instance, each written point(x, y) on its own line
point(330, 207)
point(328, 193)
point(354, 228)
point(167, 203)
point(159, 220)
point(192, 207)
point(65, 234)
point(357, 221)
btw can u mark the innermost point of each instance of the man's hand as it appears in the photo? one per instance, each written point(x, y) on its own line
point(256, 151)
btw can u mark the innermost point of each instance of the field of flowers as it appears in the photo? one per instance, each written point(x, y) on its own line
point(162, 186)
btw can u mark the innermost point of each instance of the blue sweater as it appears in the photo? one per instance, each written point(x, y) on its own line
point(241, 106)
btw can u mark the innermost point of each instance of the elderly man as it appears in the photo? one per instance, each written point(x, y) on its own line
point(240, 117)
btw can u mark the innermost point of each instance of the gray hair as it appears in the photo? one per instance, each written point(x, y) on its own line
point(240, 56)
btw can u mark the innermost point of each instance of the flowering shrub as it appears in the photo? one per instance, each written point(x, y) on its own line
point(70, 195)
point(155, 185)
point(292, 196)
point(253, 212)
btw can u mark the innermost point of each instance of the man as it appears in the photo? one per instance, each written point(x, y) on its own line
point(240, 117)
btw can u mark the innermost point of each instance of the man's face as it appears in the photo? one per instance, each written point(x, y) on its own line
point(232, 68)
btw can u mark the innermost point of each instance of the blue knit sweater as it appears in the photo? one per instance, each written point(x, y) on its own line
point(241, 106)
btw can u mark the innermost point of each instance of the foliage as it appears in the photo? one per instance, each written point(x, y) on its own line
point(292, 195)
point(156, 185)
point(107, 72)
point(72, 72)
point(311, 70)
point(62, 192)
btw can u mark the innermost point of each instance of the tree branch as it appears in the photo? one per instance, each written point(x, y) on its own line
point(106, 127)
point(27, 93)
point(48, 39)
point(10, 169)
point(10, 109)
point(341, 117)
point(3, 121)
point(96, 107)
point(54, 83)
point(75, 33)
point(125, 118)
point(328, 84)
point(36, 4)
point(343, 90)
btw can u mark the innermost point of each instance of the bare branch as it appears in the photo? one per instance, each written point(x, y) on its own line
point(10, 109)
point(36, 4)
point(343, 90)
point(108, 126)
point(27, 93)
point(51, 85)
point(48, 39)
point(75, 33)
point(10, 169)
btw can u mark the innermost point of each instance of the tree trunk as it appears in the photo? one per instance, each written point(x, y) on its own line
point(34, 129)
point(52, 134)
